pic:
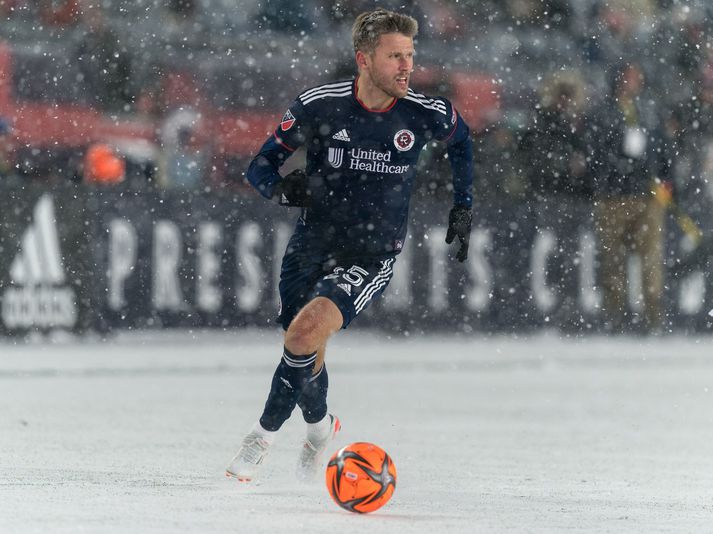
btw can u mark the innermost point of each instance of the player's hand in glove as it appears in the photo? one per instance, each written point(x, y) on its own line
point(293, 190)
point(460, 220)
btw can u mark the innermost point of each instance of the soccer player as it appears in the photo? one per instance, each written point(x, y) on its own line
point(363, 138)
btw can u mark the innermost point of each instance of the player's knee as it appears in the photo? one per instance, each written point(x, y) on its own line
point(312, 326)
point(303, 337)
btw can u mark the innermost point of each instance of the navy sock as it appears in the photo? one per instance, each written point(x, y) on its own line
point(291, 376)
point(313, 401)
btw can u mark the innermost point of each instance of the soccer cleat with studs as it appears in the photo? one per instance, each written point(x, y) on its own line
point(248, 460)
point(312, 449)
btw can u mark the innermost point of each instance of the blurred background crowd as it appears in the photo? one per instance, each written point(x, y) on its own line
point(607, 102)
point(182, 91)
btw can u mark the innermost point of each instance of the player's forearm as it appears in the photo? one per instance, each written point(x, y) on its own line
point(263, 172)
point(460, 154)
point(263, 175)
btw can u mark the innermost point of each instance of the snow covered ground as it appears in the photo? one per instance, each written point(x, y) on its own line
point(490, 435)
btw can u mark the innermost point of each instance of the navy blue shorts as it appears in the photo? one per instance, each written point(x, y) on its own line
point(352, 284)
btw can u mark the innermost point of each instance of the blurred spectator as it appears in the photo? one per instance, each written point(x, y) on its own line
point(617, 30)
point(555, 145)
point(678, 51)
point(102, 166)
point(694, 166)
point(8, 7)
point(629, 164)
point(184, 153)
point(553, 13)
point(59, 13)
point(178, 89)
point(5, 149)
point(104, 63)
point(184, 162)
point(516, 42)
point(182, 8)
point(287, 16)
point(701, 123)
point(689, 45)
point(183, 28)
point(442, 20)
point(498, 161)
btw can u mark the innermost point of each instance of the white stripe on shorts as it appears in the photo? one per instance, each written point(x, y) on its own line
point(379, 281)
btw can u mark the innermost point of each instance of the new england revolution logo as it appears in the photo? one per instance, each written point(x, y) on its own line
point(404, 140)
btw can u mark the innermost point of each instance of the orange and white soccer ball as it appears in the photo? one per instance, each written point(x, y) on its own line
point(361, 477)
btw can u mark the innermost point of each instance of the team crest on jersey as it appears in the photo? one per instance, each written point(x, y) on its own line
point(404, 140)
point(288, 119)
point(335, 156)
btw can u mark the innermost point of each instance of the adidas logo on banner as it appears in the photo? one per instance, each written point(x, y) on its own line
point(341, 135)
point(36, 296)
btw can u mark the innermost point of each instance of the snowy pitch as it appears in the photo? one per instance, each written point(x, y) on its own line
point(536, 434)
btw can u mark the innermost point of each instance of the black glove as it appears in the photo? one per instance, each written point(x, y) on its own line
point(460, 220)
point(293, 190)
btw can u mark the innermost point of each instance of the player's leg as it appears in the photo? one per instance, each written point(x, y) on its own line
point(305, 338)
point(313, 400)
point(611, 227)
point(308, 322)
point(321, 425)
point(332, 304)
point(649, 242)
point(315, 322)
point(351, 288)
point(308, 333)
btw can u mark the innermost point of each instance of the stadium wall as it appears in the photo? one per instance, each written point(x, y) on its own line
point(100, 260)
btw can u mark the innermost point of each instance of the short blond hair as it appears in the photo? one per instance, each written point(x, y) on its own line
point(371, 25)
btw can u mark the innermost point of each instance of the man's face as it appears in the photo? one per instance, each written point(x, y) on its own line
point(390, 65)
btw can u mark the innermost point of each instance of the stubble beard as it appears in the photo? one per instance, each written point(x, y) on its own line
point(388, 85)
point(391, 88)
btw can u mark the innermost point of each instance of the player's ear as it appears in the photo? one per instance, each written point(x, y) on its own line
point(361, 59)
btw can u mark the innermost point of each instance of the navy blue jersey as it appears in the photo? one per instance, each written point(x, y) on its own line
point(361, 164)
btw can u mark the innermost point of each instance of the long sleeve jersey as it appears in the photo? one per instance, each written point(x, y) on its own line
point(361, 164)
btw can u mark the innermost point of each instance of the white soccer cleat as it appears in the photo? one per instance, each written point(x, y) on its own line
point(252, 452)
point(314, 445)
